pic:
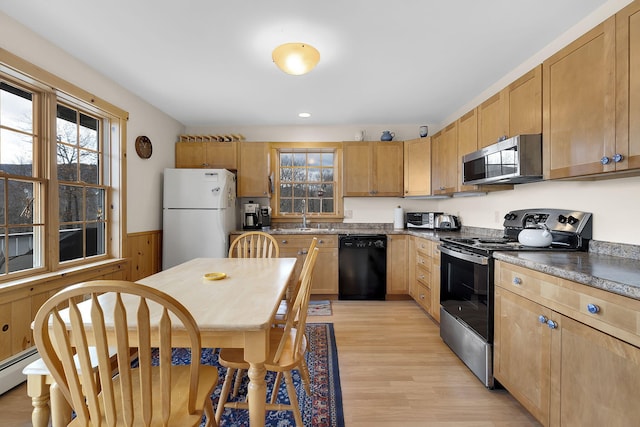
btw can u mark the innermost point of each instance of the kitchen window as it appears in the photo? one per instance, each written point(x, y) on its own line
point(59, 166)
point(308, 177)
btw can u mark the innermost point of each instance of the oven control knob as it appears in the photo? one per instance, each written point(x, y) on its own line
point(572, 220)
point(542, 318)
point(551, 324)
point(562, 219)
point(593, 309)
point(510, 216)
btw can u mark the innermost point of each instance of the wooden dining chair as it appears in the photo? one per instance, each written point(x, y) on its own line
point(254, 244)
point(283, 310)
point(124, 315)
point(280, 319)
point(287, 349)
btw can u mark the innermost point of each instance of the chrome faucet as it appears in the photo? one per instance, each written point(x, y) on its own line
point(304, 213)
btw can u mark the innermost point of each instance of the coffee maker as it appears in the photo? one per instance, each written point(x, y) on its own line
point(252, 216)
point(265, 216)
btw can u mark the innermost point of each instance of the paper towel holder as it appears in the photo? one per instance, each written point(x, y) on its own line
point(398, 218)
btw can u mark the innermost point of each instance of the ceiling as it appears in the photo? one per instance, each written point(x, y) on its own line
point(208, 62)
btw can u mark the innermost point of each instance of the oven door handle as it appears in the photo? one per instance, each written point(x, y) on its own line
point(467, 256)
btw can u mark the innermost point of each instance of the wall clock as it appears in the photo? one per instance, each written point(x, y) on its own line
point(143, 147)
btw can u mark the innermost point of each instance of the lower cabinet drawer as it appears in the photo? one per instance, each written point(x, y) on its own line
point(423, 296)
point(608, 312)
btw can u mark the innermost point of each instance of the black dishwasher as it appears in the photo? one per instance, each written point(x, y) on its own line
point(362, 266)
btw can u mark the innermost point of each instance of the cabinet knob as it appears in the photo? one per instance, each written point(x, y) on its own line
point(517, 281)
point(605, 160)
point(421, 296)
point(542, 318)
point(593, 309)
point(284, 242)
point(320, 241)
point(422, 276)
point(618, 157)
point(551, 324)
point(303, 252)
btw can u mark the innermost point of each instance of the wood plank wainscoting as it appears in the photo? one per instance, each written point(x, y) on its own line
point(144, 250)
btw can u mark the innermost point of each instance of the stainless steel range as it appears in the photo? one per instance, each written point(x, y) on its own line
point(466, 286)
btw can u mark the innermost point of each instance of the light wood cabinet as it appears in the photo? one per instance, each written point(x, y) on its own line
point(566, 364)
point(373, 169)
point(515, 110)
point(253, 170)
point(209, 155)
point(435, 281)
point(20, 303)
point(397, 249)
point(422, 287)
point(444, 161)
point(524, 104)
point(522, 346)
point(628, 86)
point(579, 105)
point(493, 120)
point(417, 167)
point(325, 273)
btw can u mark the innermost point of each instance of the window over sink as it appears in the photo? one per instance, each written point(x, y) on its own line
point(307, 179)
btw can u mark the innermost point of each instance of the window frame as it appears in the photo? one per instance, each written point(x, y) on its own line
point(51, 91)
point(276, 148)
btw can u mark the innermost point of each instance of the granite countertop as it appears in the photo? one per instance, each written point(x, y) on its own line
point(610, 273)
point(608, 266)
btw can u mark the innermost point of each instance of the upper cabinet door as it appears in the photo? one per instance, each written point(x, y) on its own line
point(357, 178)
point(253, 173)
point(209, 155)
point(493, 120)
point(444, 166)
point(388, 169)
point(373, 169)
point(524, 97)
point(579, 105)
point(467, 143)
point(628, 89)
point(417, 167)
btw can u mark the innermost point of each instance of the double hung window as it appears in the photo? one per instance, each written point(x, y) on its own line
point(307, 180)
point(57, 169)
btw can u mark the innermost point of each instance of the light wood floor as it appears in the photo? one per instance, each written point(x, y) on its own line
point(394, 371)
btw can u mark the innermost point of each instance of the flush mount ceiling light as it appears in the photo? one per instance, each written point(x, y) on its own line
point(304, 115)
point(296, 58)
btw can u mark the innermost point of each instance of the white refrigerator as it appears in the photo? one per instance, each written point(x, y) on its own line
point(199, 212)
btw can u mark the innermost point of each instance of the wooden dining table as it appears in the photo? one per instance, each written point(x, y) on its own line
point(236, 311)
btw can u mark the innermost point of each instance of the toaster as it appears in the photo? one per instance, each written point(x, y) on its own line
point(446, 222)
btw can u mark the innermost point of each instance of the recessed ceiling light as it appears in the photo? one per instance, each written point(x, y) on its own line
point(304, 115)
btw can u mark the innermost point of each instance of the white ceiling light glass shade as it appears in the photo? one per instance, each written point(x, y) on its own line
point(296, 58)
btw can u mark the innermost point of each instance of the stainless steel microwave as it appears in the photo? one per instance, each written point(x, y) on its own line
point(515, 160)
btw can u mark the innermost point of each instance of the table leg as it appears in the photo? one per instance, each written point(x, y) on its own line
point(38, 391)
point(257, 394)
point(255, 353)
point(60, 409)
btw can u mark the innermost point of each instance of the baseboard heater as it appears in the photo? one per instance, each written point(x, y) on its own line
point(11, 369)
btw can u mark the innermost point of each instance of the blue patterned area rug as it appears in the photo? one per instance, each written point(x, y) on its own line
point(322, 409)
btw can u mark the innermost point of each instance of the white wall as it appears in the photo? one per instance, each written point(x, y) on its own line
point(144, 177)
